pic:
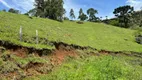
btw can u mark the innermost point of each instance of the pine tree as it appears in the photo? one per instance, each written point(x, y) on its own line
point(72, 14)
point(80, 13)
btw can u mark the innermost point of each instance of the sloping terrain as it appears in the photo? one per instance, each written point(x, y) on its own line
point(96, 35)
point(66, 50)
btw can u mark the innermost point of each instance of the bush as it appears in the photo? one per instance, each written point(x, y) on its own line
point(79, 22)
point(114, 22)
point(139, 39)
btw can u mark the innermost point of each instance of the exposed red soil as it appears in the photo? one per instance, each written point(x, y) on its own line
point(59, 56)
point(19, 52)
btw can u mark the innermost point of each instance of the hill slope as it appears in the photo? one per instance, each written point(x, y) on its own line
point(95, 35)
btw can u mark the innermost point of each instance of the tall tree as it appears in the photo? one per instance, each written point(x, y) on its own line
point(91, 12)
point(124, 13)
point(80, 13)
point(52, 9)
point(60, 10)
point(72, 14)
point(82, 16)
point(39, 5)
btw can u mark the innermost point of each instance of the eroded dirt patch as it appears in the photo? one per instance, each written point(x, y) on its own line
point(59, 56)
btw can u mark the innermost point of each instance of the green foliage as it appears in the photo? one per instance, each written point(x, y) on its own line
point(95, 35)
point(136, 19)
point(113, 22)
point(91, 12)
point(52, 9)
point(124, 13)
point(72, 14)
point(82, 16)
point(66, 18)
point(13, 11)
point(80, 12)
point(24, 61)
point(4, 10)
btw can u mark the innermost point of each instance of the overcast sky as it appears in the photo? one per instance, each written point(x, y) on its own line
point(104, 7)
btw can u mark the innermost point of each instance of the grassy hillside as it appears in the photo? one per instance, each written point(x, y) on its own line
point(96, 35)
point(96, 68)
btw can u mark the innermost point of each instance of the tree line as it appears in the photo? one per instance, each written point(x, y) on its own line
point(53, 9)
point(82, 16)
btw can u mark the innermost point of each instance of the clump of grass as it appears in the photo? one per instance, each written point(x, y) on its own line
point(31, 58)
point(7, 67)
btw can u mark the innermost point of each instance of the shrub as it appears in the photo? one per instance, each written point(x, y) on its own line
point(139, 39)
point(79, 22)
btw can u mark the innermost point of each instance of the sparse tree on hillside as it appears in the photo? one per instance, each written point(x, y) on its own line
point(52, 9)
point(72, 14)
point(80, 12)
point(83, 17)
point(4, 10)
point(91, 12)
point(124, 13)
point(13, 11)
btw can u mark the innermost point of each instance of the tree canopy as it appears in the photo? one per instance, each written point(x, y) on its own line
point(14, 11)
point(52, 9)
point(82, 16)
point(124, 13)
point(91, 12)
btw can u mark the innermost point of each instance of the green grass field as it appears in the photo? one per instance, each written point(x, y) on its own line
point(95, 35)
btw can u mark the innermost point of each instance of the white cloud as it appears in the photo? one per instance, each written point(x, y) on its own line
point(5, 3)
point(22, 5)
point(137, 4)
